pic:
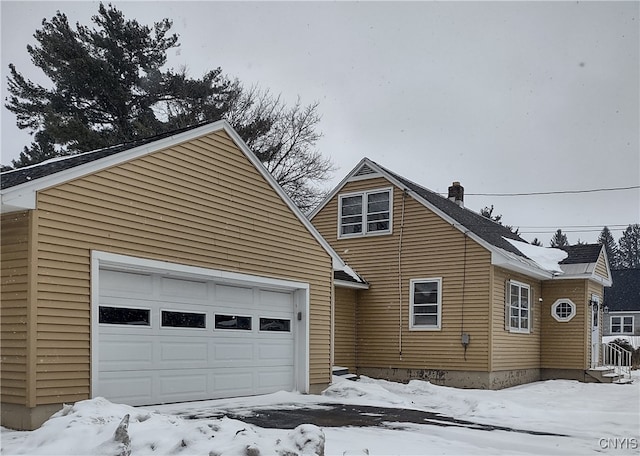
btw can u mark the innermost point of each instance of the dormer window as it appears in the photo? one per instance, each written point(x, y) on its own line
point(364, 213)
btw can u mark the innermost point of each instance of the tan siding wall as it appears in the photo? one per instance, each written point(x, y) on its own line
point(345, 328)
point(514, 350)
point(565, 344)
point(601, 266)
point(14, 251)
point(430, 248)
point(201, 203)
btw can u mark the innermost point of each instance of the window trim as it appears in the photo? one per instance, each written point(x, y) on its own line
point(365, 198)
point(190, 328)
point(414, 327)
point(556, 304)
point(621, 324)
point(519, 329)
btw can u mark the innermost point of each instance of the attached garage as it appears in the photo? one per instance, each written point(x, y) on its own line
point(166, 333)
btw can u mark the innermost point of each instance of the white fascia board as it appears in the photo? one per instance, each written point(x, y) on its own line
point(23, 196)
point(513, 262)
point(346, 284)
point(338, 187)
point(337, 262)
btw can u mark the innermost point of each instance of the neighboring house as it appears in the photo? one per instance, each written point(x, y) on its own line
point(454, 297)
point(623, 303)
point(170, 269)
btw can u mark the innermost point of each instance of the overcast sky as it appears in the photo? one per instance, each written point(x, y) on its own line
point(505, 97)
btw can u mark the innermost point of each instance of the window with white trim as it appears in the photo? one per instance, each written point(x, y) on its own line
point(563, 310)
point(425, 304)
point(364, 213)
point(519, 306)
point(621, 324)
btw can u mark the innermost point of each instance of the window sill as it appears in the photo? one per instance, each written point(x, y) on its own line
point(425, 328)
point(356, 236)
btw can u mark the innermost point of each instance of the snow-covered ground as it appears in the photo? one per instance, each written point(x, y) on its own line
point(595, 419)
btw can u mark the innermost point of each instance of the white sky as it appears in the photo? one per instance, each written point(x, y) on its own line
point(501, 96)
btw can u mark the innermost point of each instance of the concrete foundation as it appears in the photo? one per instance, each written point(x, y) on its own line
point(457, 379)
point(566, 374)
point(23, 418)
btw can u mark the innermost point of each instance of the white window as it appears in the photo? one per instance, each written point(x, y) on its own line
point(622, 325)
point(563, 310)
point(518, 306)
point(365, 213)
point(425, 304)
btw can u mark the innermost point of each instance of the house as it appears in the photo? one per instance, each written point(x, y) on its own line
point(623, 303)
point(169, 269)
point(453, 297)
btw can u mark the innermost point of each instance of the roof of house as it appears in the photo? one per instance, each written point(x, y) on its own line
point(485, 228)
point(26, 174)
point(19, 187)
point(582, 253)
point(624, 294)
point(493, 236)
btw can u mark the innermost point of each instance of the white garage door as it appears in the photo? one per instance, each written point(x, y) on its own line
point(165, 339)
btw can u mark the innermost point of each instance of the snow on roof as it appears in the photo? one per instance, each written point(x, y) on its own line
point(546, 258)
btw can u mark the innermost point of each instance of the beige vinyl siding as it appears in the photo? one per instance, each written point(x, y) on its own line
point(345, 328)
point(14, 257)
point(565, 344)
point(431, 248)
point(514, 350)
point(201, 203)
point(601, 266)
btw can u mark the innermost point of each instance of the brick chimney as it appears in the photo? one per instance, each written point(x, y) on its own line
point(456, 194)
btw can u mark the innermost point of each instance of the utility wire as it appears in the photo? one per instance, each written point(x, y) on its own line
point(559, 192)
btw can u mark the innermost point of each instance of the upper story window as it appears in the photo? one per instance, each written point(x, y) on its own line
point(622, 325)
point(518, 306)
point(425, 304)
point(364, 213)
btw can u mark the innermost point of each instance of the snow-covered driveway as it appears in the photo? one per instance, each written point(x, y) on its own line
point(565, 417)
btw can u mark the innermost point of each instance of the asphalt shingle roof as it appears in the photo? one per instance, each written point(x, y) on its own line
point(624, 294)
point(19, 176)
point(582, 253)
point(486, 229)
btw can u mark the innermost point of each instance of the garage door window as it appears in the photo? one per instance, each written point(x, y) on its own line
point(174, 319)
point(124, 316)
point(233, 322)
point(275, 324)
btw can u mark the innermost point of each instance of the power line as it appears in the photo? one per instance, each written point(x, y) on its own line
point(559, 192)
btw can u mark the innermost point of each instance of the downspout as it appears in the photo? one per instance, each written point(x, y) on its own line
point(404, 196)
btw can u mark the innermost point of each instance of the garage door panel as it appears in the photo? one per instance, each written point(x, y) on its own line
point(125, 354)
point(136, 388)
point(270, 378)
point(179, 354)
point(234, 382)
point(189, 358)
point(184, 290)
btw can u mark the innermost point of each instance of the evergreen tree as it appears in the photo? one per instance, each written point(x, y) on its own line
point(606, 239)
point(629, 247)
point(559, 239)
point(488, 213)
point(536, 242)
point(109, 85)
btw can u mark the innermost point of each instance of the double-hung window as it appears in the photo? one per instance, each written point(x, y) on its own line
point(425, 304)
point(622, 325)
point(365, 213)
point(518, 307)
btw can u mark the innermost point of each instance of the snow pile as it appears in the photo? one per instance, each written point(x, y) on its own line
point(545, 257)
point(96, 427)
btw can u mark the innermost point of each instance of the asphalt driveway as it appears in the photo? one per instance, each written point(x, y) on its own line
point(341, 415)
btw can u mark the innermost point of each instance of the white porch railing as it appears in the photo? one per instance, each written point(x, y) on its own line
point(617, 358)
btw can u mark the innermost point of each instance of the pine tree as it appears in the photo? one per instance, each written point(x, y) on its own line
point(536, 242)
point(629, 247)
point(606, 239)
point(109, 86)
point(488, 213)
point(559, 240)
